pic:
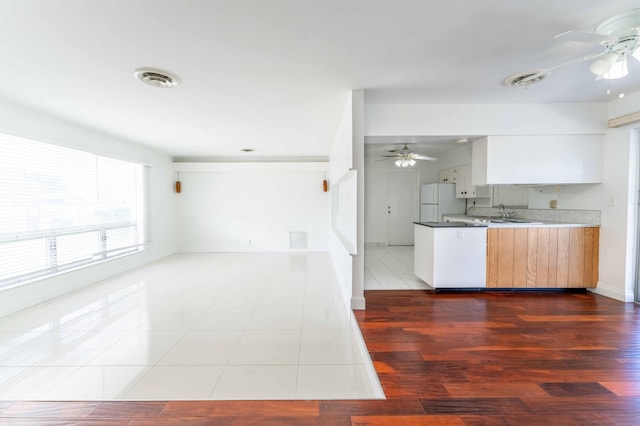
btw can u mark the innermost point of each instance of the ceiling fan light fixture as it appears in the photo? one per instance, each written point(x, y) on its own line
point(406, 161)
point(618, 70)
point(603, 65)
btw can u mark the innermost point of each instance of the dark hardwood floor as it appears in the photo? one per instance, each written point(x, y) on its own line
point(443, 359)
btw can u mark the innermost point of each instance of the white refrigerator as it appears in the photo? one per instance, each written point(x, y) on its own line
point(438, 199)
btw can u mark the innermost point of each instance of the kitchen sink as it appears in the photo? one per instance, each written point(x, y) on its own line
point(499, 219)
point(513, 220)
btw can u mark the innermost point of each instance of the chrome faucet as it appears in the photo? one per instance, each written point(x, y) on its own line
point(501, 211)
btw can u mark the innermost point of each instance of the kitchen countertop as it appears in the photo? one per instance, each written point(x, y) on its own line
point(452, 224)
point(531, 223)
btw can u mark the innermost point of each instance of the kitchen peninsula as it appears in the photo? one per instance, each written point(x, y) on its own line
point(517, 253)
point(450, 254)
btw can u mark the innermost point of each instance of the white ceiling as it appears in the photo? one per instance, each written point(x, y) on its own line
point(274, 75)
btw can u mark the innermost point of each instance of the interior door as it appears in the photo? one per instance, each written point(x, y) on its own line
point(403, 207)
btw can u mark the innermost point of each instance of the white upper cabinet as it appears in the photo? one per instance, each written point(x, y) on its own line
point(465, 187)
point(461, 176)
point(537, 159)
point(447, 175)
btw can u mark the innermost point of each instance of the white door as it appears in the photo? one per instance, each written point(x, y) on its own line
point(403, 207)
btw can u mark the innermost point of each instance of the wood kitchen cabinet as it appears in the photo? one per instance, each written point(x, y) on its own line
point(553, 257)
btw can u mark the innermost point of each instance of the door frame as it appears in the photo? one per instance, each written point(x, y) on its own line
point(416, 207)
point(635, 138)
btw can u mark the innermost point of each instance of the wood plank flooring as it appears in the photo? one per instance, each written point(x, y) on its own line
point(503, 358)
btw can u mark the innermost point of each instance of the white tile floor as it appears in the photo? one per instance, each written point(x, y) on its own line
point(192, 326)
point(391, 268)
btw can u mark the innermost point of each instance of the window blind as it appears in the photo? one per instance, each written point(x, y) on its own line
point(62, 208)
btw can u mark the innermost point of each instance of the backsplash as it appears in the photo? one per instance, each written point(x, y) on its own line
point(591, 217)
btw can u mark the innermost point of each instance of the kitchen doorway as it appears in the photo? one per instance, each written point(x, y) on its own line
point(402, 210)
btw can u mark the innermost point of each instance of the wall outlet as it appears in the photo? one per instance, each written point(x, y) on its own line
point(553, 204)
point(460, 234)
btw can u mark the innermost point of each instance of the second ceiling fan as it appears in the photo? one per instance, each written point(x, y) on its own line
point(404, 157)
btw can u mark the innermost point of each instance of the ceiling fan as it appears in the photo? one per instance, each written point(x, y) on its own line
point(405, 157)
point(618, 37)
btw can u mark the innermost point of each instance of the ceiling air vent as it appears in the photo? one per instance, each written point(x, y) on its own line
point(156, 78)
point(524, 78)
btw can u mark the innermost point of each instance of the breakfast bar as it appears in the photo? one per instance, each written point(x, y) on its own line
point(502, 253)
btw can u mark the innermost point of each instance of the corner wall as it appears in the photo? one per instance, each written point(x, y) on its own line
point(347, 152)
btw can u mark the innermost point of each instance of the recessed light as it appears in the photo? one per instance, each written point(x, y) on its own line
point(247, 150)
point(462, 140)
point(156, 78)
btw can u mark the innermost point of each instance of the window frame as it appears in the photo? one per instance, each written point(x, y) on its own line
point(139, 227)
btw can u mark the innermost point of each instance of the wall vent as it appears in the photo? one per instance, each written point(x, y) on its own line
point(298, 240)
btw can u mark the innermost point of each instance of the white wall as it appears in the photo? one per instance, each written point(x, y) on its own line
point(20, 121)
point(357, 138)
point(455, 157)
point(340, 161)
point(251, 206)
point(485, 119)
point(347, 152)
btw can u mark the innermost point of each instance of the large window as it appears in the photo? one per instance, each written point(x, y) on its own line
point(61, 209)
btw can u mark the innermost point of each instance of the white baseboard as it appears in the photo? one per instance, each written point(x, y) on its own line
point(366, 358)
point(374, 244)
point(358, 303)
point(612, 292)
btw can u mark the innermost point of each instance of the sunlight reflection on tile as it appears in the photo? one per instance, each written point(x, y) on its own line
point(191, 326)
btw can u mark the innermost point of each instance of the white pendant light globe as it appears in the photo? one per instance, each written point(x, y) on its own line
point(618, 70)
point(603, 65)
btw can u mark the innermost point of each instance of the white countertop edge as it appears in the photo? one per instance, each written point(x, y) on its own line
point(542, 225)
point(537, 224)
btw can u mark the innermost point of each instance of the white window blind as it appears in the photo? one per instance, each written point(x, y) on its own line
point(61, 209)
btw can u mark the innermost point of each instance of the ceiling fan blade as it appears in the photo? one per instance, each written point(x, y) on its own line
point(564, 64)
point(392, 156)
point(384, 159)
point(584, 37)
point(424, 157)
